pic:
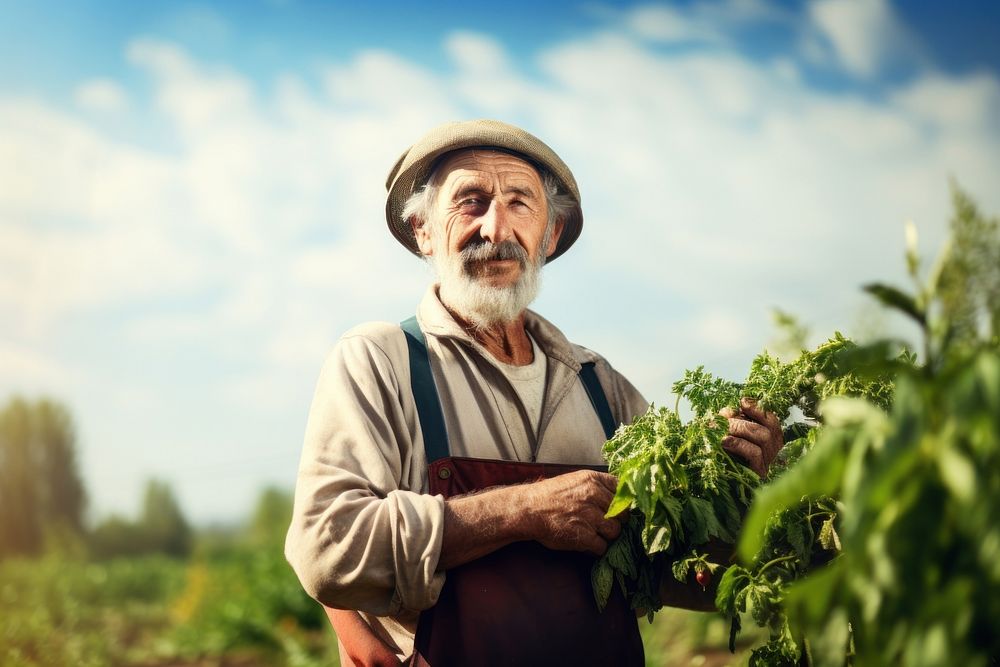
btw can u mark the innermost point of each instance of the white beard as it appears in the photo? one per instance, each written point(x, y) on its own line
point(478, 302)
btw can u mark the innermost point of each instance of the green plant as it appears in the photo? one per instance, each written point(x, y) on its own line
point(876, 541)
point(685, 490)
point(918, 579)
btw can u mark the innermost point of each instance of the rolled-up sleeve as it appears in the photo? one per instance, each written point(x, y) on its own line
point(362, 535)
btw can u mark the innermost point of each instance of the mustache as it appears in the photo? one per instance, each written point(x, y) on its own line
point(481, 251)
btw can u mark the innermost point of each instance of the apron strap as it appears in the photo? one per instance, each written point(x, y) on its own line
point(429, 405)
point(597, 398)
point(425, 393)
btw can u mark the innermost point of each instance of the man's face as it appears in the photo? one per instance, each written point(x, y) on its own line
point(487, 235)
point(489, 197)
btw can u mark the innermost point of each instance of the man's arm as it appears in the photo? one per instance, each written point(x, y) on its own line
point(362, 535)
point(564, 513)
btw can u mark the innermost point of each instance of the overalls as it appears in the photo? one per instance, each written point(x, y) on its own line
point(522, 604)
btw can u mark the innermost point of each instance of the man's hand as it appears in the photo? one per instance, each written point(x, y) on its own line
point(754, 435)
point(568, 511)
point(564, 512)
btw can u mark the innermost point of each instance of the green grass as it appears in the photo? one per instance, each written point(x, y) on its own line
point(241, 607)
point(228, 606)
point(59, 612)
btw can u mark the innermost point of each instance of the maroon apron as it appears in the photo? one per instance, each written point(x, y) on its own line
point(523, 604)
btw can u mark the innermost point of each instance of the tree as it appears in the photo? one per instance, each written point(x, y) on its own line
point(40, 485)
point(62, 495)
point(162, 522)
point(117, 536)
point(271, 517)
point(160, 528)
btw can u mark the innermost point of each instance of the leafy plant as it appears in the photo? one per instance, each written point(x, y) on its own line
point(917, 581)
point(685, 491)
point(876, 541)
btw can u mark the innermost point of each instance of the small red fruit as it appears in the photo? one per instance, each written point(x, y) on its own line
point(704, 578)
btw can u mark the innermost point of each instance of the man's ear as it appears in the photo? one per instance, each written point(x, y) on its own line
point(554, 240)
point(422, 234)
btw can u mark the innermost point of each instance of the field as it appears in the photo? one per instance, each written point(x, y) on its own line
point(230, 606)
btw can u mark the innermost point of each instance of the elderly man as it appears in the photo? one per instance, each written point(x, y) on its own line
point(450, 482)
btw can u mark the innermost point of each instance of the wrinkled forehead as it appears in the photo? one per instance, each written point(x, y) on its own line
point(486, 161)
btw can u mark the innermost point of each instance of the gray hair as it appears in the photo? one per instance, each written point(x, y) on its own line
point(558, 203)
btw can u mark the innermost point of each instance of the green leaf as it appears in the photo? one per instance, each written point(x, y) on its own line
point(733, 581)
point(895, 298)
point(672, 507)
point(656, 538)
point(957, 472)
point(680, 569)
point(602, 578)
point(828, 537)
point(772, 654)
point(621, 556)
point(813, 598)
point(699, 520)
point(728, 514)
point(764, 600)
point(734, 630)
point(795, 533)
point(620, 503)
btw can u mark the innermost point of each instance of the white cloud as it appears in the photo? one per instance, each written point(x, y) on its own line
point(705, 22)
point(751, 171)
point(670, 24)
point(378, 82)
point(865, 34)
point(486, 81)
point(968, 103)
point(199, 101)
point(27, 369)
point(101, 95)
point(477, 53)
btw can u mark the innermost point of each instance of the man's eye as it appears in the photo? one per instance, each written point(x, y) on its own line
point(472, 203)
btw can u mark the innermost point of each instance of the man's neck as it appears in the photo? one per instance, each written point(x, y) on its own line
point(508, 342)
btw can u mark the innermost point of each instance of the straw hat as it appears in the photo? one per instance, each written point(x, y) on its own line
point(417, 161)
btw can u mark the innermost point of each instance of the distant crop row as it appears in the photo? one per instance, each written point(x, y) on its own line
point(154, 610)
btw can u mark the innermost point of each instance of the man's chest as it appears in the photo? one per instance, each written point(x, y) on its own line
point(486, 415)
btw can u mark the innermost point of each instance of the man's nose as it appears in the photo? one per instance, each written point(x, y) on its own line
point(493, 225)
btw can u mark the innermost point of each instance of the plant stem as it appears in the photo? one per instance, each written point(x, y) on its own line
point(775, 562)
point(805, 659)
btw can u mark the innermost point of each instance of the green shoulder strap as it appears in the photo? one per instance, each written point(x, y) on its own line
point(425, 393)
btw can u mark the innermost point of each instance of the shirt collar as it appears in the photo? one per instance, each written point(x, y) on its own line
point(435, 320)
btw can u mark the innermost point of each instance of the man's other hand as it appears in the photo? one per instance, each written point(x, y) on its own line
point(568, 511)
point(754, 435)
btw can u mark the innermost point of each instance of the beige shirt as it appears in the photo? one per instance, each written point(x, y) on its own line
point(365, 534)
point(529, 384)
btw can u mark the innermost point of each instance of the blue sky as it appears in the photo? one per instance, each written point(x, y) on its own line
point(191, 199)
